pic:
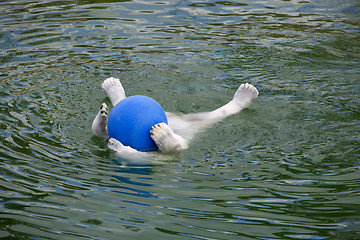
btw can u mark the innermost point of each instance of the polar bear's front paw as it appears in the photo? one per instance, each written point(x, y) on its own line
point(114, 144)
point(104, 110)
point(99, 125)
point(166, 139)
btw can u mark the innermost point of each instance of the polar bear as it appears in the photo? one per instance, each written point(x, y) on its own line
point(181, 128)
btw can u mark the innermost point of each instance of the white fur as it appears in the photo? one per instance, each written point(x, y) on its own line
point(114, 90)
point(180, 129)
point(99, 125)
point(166, 139)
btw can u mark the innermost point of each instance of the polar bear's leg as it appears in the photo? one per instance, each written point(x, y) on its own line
point(242, 99)
point(99, 125)
point(187, 125)
point(114, 90)
point(128, 153)
point(166, 139)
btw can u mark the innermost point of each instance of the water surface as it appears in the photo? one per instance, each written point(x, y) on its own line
point(287, 168)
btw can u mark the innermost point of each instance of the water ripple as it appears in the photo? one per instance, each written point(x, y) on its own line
point(287, 168)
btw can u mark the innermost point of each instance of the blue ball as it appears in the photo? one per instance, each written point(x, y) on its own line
point(131, 119)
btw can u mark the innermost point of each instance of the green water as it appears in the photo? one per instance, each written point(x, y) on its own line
point(287, 168)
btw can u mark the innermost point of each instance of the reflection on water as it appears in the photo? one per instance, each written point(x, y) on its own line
point(287, 168)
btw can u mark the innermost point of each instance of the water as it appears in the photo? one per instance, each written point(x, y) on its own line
point(287, 168)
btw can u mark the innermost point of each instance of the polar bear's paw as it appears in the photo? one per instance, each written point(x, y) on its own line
point(114, 144)
point(99, 125)
point(104, 110)
point(166, 139)
point(113, 89)
point(245, 94)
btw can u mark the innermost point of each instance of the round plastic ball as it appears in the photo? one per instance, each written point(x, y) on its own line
point(131, 119)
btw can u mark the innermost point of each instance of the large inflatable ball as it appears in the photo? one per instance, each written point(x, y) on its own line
point(131, 119)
